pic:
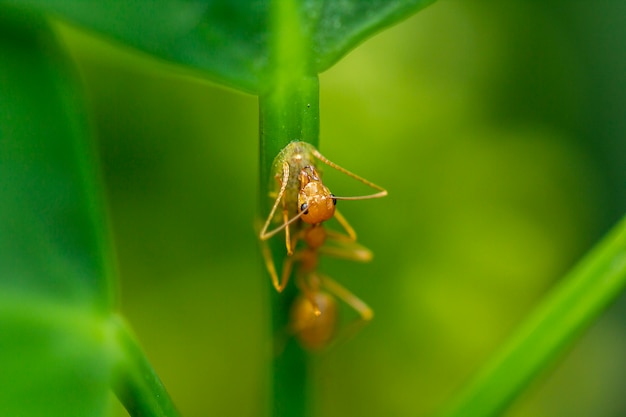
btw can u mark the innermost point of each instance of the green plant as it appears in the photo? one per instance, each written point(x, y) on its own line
point(53, 233)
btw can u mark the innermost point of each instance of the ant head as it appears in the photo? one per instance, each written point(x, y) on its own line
point(315, 201)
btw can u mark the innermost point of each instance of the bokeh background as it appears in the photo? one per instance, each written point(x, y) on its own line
point(498, 129)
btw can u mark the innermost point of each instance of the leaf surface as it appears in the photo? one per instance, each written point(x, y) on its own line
point(54, 279)
point(231, 40)
point(52, 235)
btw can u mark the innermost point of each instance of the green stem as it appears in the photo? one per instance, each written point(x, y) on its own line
point(286, 114)
point(135, 383)
point(581, 297)
point(288, 111)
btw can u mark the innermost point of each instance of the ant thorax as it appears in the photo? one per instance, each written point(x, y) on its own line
point(315, 236)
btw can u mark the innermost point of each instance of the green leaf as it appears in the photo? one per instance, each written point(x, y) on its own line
point(54, 359)
point(135, 383)
point(572, 307)
point(342, 25)
point(54, 279)
point(231, 40)
point(53, 242)
point(61, 348)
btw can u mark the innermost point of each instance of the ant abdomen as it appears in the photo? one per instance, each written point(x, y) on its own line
point(313, 322)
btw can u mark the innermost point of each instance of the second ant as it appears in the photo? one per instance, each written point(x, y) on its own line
point(306, 203)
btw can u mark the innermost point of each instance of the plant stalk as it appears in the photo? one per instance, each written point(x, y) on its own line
point(288, 111)
point(286, 114)
point(585, 292)
point(135, 383)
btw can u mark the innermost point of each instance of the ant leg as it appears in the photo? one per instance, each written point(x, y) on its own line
point(355, 252)
point(351, 234)
point(264, 235)
point(286, 273)
point(279, 285)
point(382, 192)
point(352, 300)
point(269, 264)
point(290, 242)
point(287, 231)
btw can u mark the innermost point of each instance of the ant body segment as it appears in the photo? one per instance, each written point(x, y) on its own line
point(306, 204)
point(314, 313)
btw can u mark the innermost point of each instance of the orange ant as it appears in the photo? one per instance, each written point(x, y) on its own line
point(306, 204)
point(314, 313)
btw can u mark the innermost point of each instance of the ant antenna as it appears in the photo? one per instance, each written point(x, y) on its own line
point(380, 194)
point(271, 233)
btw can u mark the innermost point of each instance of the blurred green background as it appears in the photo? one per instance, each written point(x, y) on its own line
point(498, 129)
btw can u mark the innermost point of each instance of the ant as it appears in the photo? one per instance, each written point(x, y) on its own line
point(306, 204)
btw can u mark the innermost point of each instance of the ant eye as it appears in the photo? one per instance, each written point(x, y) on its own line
point(305, 208)
point(334, 199)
